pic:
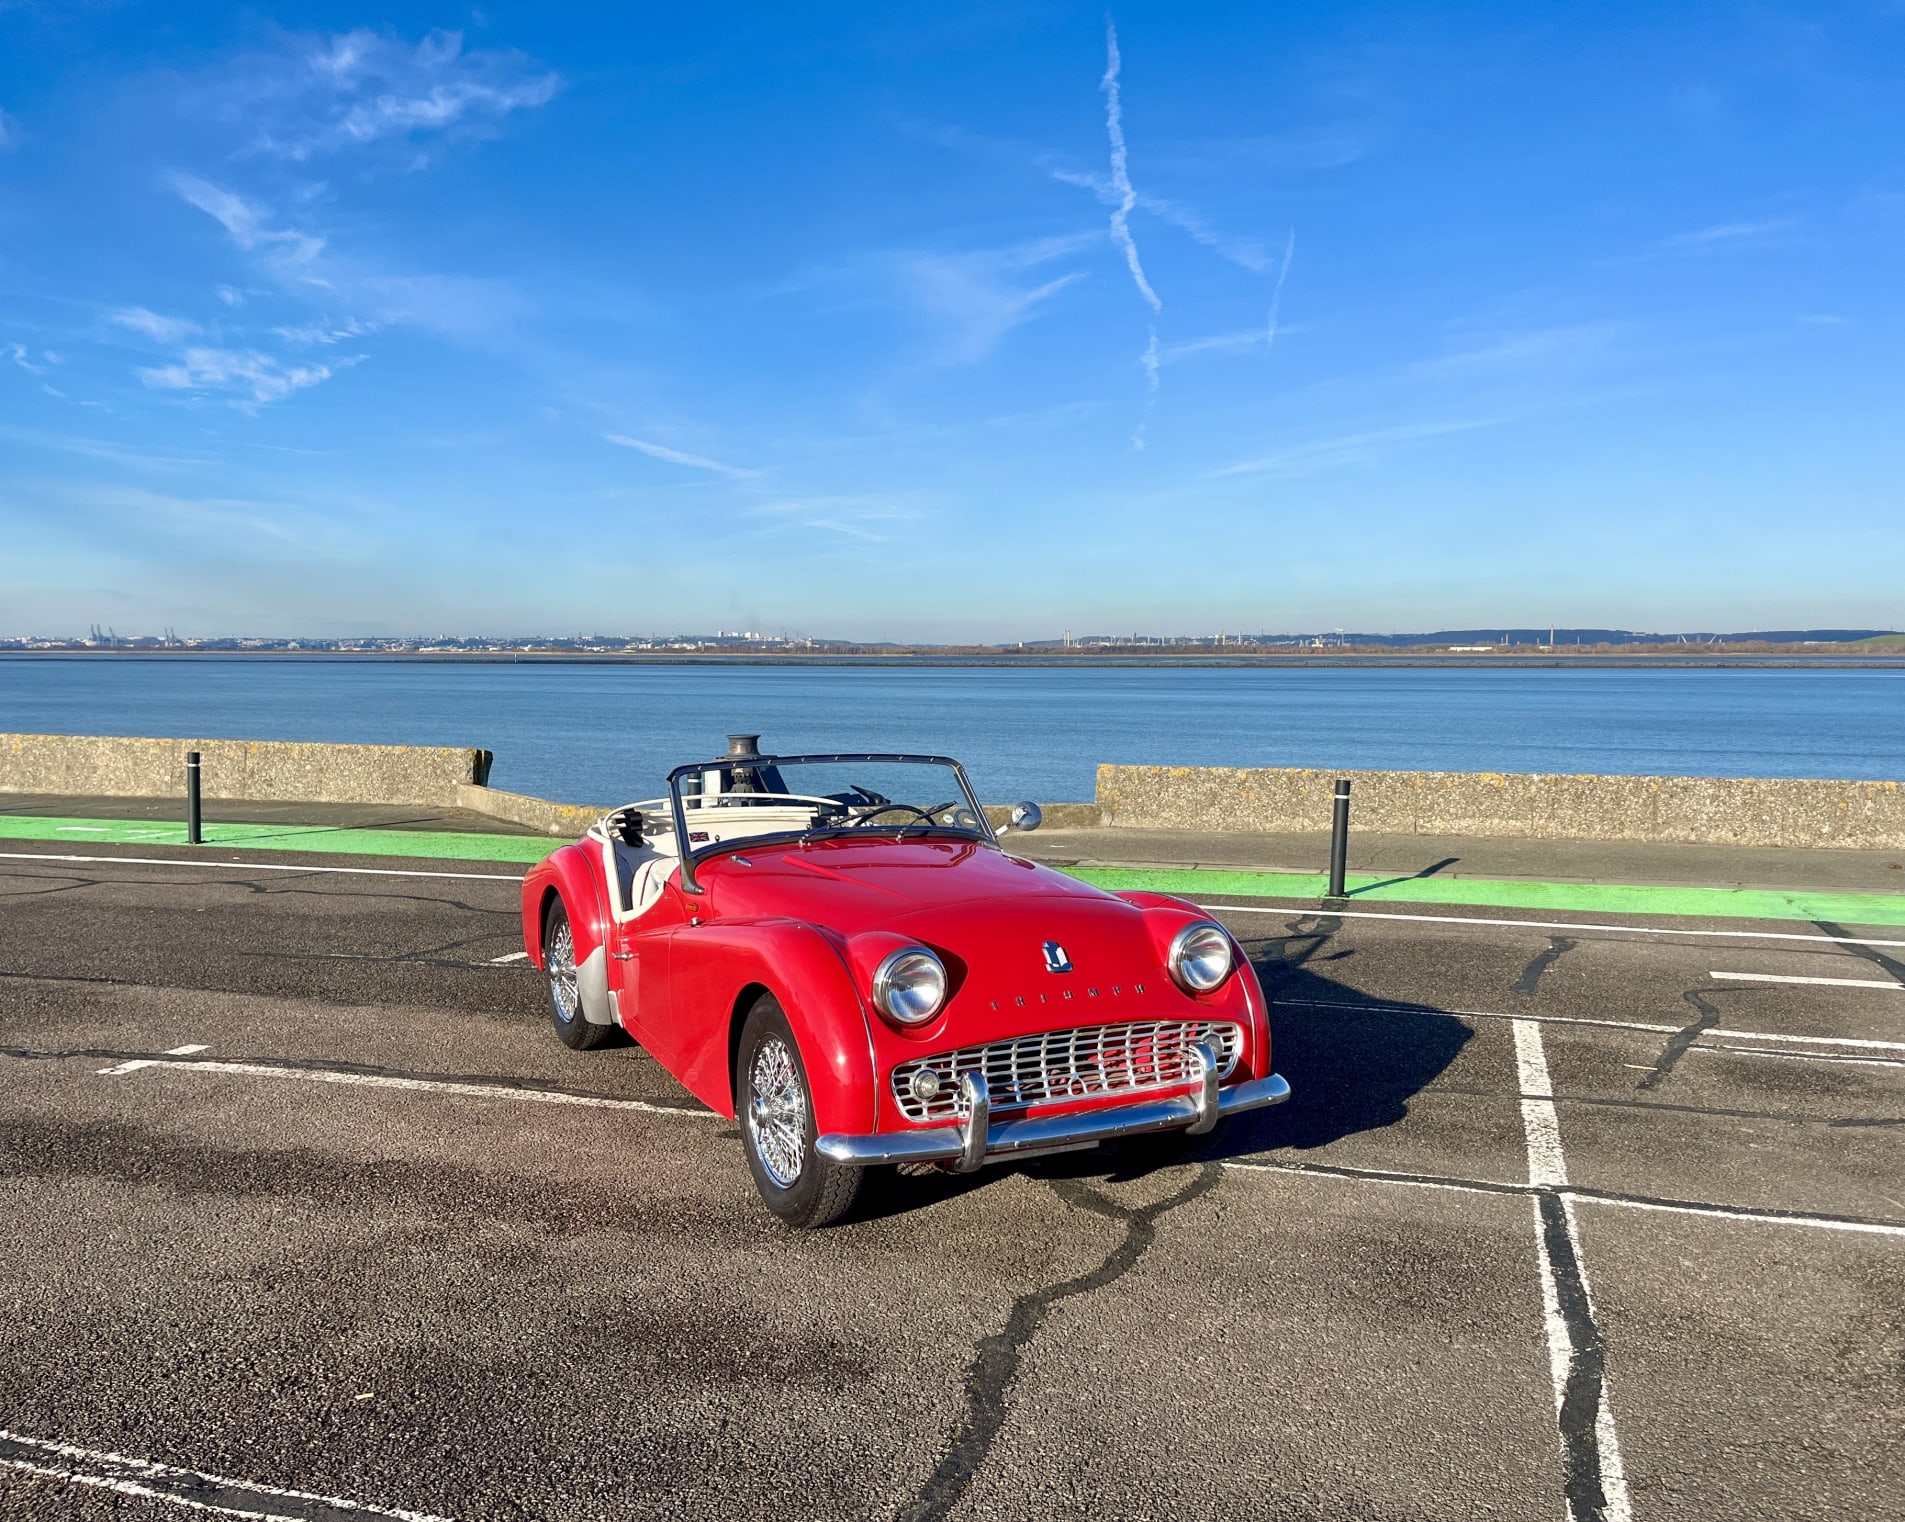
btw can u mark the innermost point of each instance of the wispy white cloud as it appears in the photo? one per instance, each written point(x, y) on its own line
point(17, 352)
point(291, 254)
point(1348, 449)
point(360, 88)
point(454, 306)
point(1515, 355)
point(328, 332)
point(1728, 233)
point(983, 295)
point(231, 296)
point(1251, 340)
point(1301, 150)
point(252, 378)
point(165, 330)
point(679, 457)
point(867, 519)
point(1245, 253)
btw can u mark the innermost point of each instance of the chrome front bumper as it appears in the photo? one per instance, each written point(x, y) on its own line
point(982, 1139)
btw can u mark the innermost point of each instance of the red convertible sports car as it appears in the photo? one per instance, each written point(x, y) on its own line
point(837, 949)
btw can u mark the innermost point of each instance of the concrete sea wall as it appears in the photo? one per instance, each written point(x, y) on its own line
point(540, 814)
point(123, 767)
point(1742, 811)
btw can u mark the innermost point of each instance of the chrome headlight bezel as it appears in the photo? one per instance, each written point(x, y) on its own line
point(1193, 959)
point(901, 976)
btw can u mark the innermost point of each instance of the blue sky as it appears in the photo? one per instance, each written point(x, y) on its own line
point(950, 321)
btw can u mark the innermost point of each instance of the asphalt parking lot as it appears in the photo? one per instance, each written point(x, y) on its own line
point(309, 1215)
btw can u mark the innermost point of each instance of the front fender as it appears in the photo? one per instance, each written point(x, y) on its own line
point(574, 874)
point(715, 964)
point(1239, 998)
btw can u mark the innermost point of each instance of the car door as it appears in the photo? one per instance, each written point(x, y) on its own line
point(640, 957)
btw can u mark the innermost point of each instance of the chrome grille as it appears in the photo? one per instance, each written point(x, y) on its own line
point(1071, 1064)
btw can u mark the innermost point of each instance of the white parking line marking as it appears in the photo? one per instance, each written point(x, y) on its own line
point(1882, 1046)
point(1865, 1228)
point(1780, 977)
point(430, 1085)
point(514, 956)
point(1576, 1357)
point(188, 1488)
point(1748, 1051)
point(1495, 1186)
point(1541, 1127)
point(146, 1062)
point(1615, 1025)
point(273, 866)
point(1463, 919)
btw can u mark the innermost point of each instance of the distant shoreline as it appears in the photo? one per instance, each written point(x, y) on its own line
point(1337, 659)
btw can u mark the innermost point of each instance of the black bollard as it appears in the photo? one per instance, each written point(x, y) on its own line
point(192, 833)
point(1339, 838)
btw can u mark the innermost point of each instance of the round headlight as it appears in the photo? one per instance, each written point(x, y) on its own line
point(909, 985)
point(1200, 957)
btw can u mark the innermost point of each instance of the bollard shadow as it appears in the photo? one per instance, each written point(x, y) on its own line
point(1390, 882)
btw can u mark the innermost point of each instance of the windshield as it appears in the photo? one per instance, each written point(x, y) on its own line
point(810, 796)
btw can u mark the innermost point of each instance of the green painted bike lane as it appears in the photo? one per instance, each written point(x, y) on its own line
point(441, 845)
point(1203, 884)
point(1208, 886)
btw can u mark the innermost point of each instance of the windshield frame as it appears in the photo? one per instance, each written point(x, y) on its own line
point(691, 858)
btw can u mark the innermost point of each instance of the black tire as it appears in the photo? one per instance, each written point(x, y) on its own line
point(573, 1029)
point(799, 1185)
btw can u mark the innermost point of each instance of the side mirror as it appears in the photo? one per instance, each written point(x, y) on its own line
point(1026, 818)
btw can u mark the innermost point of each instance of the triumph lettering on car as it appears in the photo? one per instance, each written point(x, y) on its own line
point(839, 951)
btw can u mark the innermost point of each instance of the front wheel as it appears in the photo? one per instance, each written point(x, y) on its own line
point(565, 985)
point(775, 1106)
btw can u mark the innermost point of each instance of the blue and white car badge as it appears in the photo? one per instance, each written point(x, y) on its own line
point(1055, 958)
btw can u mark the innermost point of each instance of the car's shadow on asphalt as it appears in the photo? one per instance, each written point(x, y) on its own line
point(1353, 1063)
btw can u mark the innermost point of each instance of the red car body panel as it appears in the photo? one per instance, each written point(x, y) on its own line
point(807, 923)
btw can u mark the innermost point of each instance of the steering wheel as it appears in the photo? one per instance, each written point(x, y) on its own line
point(920, 815)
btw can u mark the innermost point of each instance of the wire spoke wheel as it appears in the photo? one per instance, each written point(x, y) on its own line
point(777, 1112)
point(559, 961)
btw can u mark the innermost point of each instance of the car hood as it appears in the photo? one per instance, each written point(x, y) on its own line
point(853, 885)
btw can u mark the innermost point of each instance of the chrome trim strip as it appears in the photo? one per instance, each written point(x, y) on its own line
point(1009, 1137)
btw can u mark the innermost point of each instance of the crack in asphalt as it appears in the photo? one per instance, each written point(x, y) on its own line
point(1681, 1041)
point(1530, 979)
point(996, 1359)
point(1587, 1366)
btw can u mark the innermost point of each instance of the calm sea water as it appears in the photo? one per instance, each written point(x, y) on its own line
point(606, 733)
